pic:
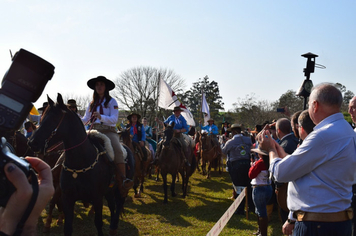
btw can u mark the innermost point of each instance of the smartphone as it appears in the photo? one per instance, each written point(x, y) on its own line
point(280, 109)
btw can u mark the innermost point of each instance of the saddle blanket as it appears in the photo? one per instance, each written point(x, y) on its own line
point(107, 143)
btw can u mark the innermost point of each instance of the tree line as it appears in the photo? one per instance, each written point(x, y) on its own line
point(137, 91)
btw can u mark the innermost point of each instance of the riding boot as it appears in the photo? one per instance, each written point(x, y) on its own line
point(263, 225)
point(124, 184)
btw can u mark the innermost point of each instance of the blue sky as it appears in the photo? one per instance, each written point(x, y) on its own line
point(246, 46)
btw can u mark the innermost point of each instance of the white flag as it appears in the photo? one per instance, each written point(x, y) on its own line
point(205, 110)
point(168, 100)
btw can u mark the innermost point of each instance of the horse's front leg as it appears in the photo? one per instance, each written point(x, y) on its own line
point(164, 178)
point(98, 219)
point(173, 185)
point(68, 209)
point(209, 169)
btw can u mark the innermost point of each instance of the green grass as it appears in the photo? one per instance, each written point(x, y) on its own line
point(206, 202)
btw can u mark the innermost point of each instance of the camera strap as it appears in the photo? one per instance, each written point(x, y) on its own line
point(31, 204)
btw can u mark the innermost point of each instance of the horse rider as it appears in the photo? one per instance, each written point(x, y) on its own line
point(212, 130)
point(137, 132)
point(72, 105)
point(179, 129)
point(103, 113)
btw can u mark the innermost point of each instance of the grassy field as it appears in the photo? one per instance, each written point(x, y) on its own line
point(206, 202)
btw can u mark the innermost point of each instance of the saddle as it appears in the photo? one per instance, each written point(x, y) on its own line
point(138, 150)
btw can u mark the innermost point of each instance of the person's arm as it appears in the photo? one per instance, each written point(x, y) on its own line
point(143, 135)
point(17, 204)
point(87, 115)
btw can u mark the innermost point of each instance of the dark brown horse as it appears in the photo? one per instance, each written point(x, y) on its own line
point(18, 143)
point(51, 157)
point(210, 153)
point(141, 167)
point(171, 161)
point(86, 173)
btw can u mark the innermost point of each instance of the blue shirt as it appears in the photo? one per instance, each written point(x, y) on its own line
point(321, 170)
point(140, 129)
point(212, 129)
point(180, 122)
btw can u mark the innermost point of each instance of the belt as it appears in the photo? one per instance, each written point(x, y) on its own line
point(102, 127)
point(260, 185)
point(324, 217)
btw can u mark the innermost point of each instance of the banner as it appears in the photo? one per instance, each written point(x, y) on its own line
point(168, 100)
point(205, 110)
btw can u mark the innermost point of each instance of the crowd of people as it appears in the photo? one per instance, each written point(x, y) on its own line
point(304, 164)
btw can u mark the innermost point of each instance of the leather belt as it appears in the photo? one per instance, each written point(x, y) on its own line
point(104, 127)
point(259, 185)
point(324, 217)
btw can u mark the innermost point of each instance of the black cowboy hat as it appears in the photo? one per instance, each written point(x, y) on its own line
point(109, 84)
point(177, 109)
point(45, 104)
point(72, 103)
point(133, 113)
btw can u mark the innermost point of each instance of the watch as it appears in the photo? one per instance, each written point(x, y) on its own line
point(291, 221)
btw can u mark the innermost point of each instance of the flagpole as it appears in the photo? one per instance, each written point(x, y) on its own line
point(201, 106)
point(157, 123)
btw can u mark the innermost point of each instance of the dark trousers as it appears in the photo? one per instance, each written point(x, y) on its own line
point(353, 205)
point(238, 171)
point(312, 228)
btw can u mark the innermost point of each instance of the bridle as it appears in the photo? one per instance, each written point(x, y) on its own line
point(54, 132)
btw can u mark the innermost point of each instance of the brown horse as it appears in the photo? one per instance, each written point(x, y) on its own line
point(210, 152)
point(141, 167)
point(171, 162)
point(51, 157)
point(18, 144)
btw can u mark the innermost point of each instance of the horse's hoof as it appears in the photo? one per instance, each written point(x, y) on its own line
point(207, 177)
point(138, 195)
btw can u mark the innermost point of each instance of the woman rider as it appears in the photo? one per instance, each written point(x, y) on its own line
point(103, 114)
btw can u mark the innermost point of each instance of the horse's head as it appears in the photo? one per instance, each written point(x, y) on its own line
point(125, 135)
point(203, 137)
point(168, 134)
point(55, 123)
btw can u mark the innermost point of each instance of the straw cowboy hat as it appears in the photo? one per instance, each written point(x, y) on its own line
point(133, 113)
point(211, 119)
point(177, 109)
point(71, 103)
point(234, 126)
point(45, 104)
point(259, 151)
point(108, 83)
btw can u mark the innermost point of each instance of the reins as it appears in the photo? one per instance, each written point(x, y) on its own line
point(55, 131)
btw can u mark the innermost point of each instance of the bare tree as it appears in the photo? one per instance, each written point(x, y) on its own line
point(250, 111)
point(136, 88)
point(81, 100)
